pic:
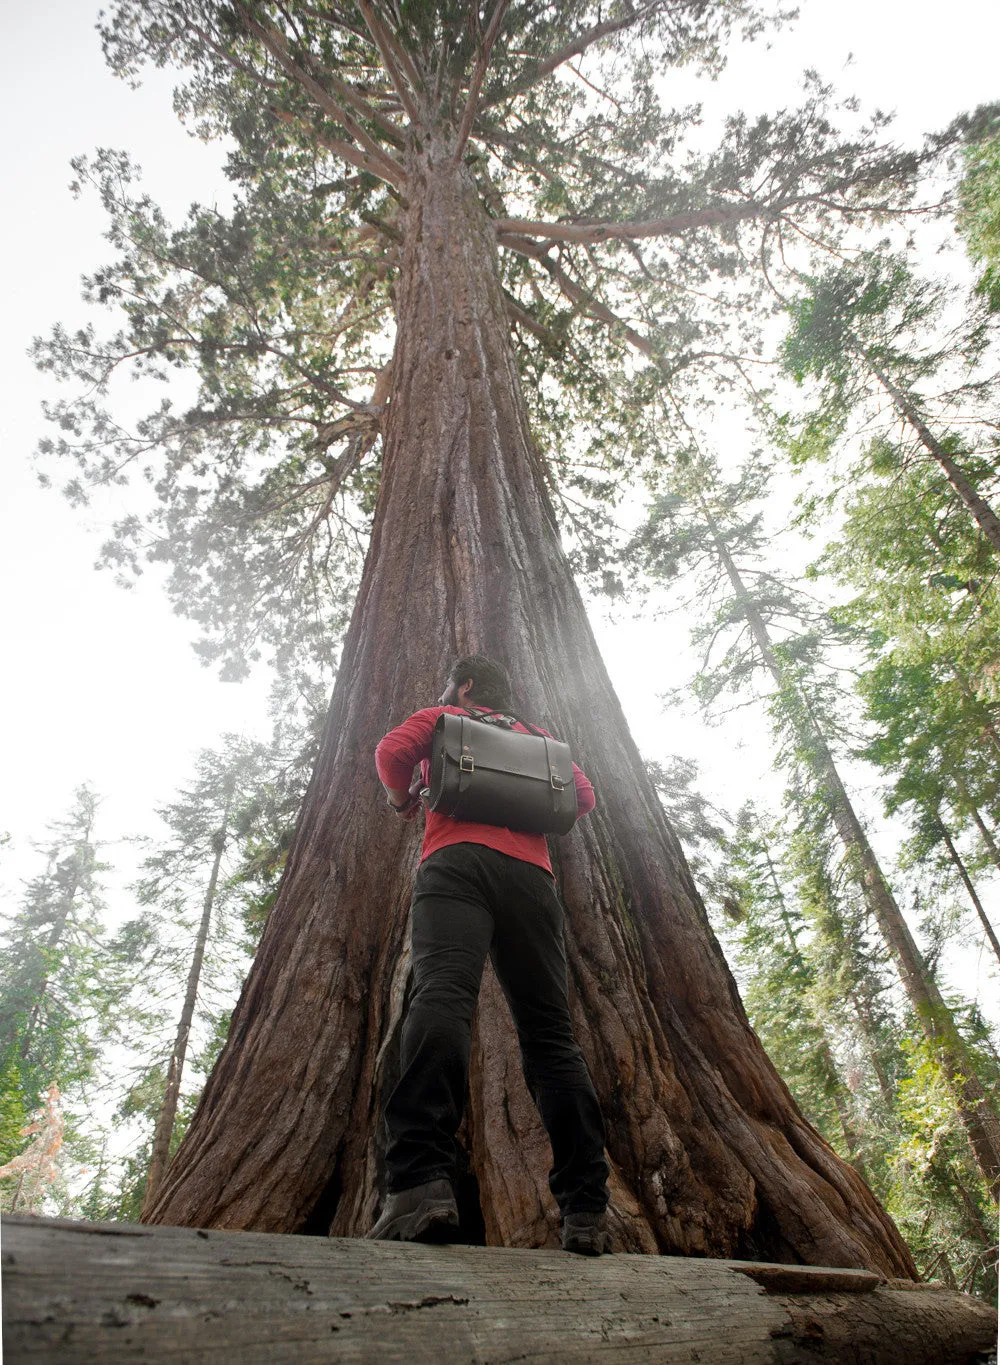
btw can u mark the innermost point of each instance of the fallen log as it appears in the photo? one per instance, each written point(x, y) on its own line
point(98, 1292)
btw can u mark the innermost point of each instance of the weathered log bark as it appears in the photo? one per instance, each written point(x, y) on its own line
point(933, 1016)
point(110, 1292)
point(710, 1153)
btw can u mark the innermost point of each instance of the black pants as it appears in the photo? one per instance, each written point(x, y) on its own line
point(469, 900)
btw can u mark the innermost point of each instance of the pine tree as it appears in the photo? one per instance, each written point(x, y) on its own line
point(979, 199)
point(194, 890)
point(796, 705)
point(35, 1169)
point(925, 778)
point(871, 327)
point(700, 827)
point(924, 605)
point(776, 947)
point(56, 986)
point(818, 994)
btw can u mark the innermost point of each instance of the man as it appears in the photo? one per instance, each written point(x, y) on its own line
point(483, 889)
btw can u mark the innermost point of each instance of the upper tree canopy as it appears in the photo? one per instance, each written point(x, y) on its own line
point(627, 266)
point(979, 219)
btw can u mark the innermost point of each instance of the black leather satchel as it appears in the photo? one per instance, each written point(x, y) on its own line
point(494, 775)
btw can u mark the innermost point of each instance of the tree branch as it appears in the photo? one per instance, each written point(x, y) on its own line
point(503, 137)
point(379, 167)
point(478, 74)
point(357, 424)
point(521, 315)
point(655, 227)
point(275, 43)
point(351, 93)
point(347, 92)
point(393, 53)
point(596, 89)
point(578, 295)
point(575, 48)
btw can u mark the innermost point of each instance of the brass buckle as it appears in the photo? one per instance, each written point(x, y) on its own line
point(557, 784)
point(467, 764)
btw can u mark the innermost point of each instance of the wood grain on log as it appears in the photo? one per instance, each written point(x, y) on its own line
point(101, 1292)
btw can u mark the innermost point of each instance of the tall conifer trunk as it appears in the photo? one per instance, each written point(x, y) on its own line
point(969, 885)
point(989, 522)
point(710, 1154)
point(967, 804)
point(933, 1016)
point(166, 1118)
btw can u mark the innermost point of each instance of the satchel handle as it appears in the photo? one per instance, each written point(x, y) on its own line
point(493, 711)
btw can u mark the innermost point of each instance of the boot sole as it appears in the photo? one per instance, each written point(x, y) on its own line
point(429, 1223)
point(587, 1241)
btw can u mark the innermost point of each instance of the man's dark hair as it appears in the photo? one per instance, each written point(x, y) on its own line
point(490, 682)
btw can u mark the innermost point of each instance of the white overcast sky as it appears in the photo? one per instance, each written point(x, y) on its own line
point(100, 684)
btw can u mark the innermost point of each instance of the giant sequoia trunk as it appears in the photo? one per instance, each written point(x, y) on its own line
point(709, 1153)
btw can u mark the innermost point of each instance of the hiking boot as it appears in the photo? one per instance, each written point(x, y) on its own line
point(586, 1233)
point(425, 1213)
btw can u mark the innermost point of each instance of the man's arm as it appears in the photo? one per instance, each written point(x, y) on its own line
point(585, 798)
point(399, 752)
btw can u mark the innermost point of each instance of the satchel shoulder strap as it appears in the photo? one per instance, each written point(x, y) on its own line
point(491, 711)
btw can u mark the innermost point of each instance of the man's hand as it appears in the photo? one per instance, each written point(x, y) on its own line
point(404, 803)
point(409, 811)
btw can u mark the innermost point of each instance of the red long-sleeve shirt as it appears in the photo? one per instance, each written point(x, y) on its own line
point(410, 743)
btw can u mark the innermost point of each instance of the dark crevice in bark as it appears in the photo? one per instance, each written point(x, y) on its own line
point(764, 1241)
point(317, 1222)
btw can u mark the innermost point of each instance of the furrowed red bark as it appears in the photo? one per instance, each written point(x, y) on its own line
point(710, 1155)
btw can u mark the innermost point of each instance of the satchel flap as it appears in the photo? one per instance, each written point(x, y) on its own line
point(448, 734)
point(561, 764)
point(505, 751)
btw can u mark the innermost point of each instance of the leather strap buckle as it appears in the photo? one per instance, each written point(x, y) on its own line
point(467, 764)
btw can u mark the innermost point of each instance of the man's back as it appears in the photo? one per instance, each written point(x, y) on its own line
point(410, 743)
